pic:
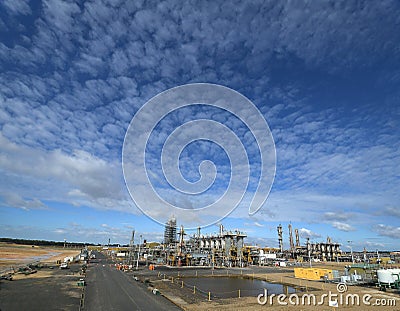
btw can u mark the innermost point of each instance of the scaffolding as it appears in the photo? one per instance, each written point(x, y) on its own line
point(280, 238)
point(170, 231)
point(131, 248)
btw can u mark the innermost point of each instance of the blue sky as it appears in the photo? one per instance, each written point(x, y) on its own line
point(325, 76)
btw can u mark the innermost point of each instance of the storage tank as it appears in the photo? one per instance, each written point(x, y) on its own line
point(385, 276)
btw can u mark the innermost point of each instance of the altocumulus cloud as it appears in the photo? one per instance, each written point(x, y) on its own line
point(73, 74)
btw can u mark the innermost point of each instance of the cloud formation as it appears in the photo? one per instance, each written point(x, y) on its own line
point(325, 76)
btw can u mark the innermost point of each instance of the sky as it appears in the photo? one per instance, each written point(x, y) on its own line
point(325, 76)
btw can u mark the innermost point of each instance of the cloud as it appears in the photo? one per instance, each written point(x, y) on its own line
point(17, 7)
point(338, 216)
point(14, 200)
point(60, 14)
point(387, 231)
point(373, 245)
point(74, 75)
point(343, 226)
point(79, 179)
point(60, 231)
point(333, 24)
point(390, 211)
point(307, 233)
point(339, 220)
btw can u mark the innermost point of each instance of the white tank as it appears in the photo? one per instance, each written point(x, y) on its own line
point(385, 276)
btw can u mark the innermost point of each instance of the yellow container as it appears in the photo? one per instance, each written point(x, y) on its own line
point(312, 273)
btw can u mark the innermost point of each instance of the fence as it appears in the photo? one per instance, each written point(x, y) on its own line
point(179, 280)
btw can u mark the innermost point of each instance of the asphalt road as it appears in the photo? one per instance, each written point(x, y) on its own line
point(110, 289)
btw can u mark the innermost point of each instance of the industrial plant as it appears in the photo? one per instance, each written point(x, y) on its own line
point(228, 248)
point(221, 267)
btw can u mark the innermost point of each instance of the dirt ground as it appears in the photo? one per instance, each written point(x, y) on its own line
point(15, 254)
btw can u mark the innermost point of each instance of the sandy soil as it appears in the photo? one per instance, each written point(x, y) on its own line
point(15, 254)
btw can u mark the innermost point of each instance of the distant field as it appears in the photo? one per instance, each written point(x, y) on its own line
point(15, 254)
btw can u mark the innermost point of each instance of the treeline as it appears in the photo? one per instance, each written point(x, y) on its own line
point(45, 243)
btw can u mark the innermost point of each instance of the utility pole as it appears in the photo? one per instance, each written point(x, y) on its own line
point(131, 249)
point(137, 261)
point(213, 258)
point(351, 250)
point(291, 240)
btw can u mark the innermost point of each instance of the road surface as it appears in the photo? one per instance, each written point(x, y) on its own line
point(110, 289)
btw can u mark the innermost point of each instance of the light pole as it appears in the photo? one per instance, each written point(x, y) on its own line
point(309, 251)
point(137, 261)
point(351, 250)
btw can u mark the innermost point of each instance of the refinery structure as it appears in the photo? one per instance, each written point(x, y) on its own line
point(229, 248)
point(323, 251)
point(226, 248)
